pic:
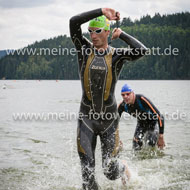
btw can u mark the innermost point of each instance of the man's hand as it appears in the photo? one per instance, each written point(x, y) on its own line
point(161, 143)
point(111, 14)
point(116, 33)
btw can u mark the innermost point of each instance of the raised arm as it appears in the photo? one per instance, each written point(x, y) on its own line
point(78, 20)
point(75, 26)
point(137, 49)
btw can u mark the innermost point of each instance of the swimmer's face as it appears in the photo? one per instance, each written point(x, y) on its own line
point(99, 37)
point(128, 97)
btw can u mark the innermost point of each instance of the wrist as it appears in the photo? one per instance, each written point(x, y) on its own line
point(119, 31)
point(103, 11)
point(121, 34)
point(161, 135)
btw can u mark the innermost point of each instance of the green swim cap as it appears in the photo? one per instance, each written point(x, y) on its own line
point(100, 22)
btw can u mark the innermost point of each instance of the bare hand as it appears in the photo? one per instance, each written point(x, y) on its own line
point(161, 143)
point(116, 33)
point(111, 14)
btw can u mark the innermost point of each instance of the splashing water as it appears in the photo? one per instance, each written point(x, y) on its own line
point(43, 154)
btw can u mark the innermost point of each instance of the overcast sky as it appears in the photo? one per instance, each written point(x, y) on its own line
point(23, 22)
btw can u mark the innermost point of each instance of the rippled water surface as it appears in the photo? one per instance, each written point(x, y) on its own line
point(41, 154)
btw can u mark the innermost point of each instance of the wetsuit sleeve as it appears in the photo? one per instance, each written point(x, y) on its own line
point(148, 104)
point(121, 108)
point(136, 50)
point(75, 27)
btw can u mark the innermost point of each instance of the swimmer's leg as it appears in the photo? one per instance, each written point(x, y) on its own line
point(110, 146)
point(138, 136)
point(152, 134)
point(86, 141)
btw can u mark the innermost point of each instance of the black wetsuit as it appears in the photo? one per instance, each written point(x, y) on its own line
point(99, 73)
point(149, 120)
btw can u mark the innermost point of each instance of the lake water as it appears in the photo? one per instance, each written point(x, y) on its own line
point(41, 154)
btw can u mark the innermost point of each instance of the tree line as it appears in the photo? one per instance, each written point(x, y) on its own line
point(166, 36)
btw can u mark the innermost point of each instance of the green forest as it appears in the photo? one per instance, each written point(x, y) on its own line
point(164, 32)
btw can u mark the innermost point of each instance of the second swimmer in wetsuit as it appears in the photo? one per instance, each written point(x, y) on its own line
point(99, 69)
point(150, 123)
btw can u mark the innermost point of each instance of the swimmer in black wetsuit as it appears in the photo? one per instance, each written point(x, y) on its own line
point(150, 123)
point(99, 69)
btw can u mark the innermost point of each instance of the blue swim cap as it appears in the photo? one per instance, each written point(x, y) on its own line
point(126, 88)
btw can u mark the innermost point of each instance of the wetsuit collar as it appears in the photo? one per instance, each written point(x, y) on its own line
point(101, 52)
